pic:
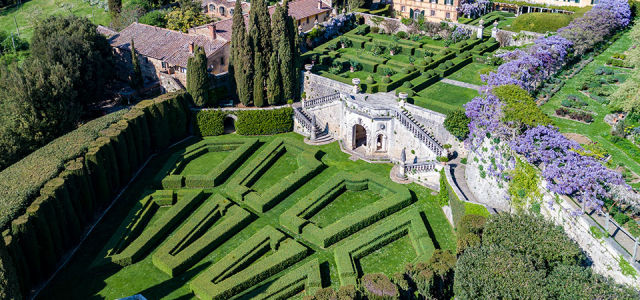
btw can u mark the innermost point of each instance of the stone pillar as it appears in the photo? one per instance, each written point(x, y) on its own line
point(494, 30)
point(313, 128)
point(402, 98)
point(403, 158)
point(635, 250)
point(356, 83)
point(480, 29)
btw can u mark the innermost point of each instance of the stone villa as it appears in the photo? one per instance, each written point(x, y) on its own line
point(164, 53)
point(431, 10)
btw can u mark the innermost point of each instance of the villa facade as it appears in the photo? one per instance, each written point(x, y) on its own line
point(431, 10)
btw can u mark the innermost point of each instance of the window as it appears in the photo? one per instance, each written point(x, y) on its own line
point(212, 8)
point(222, 61)
point(231, 12)
point(222, 10)
point(433, 1)
point(316, 17)
point(448, 2)
point(448, 15)
point(307, 20)
point(433, 12)
point(402, 9)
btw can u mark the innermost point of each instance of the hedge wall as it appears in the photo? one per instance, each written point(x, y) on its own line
point(232, 274)
point(76, 177)
point(270, 121)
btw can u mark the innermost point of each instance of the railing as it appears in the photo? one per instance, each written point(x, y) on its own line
point(302, 118)
point(419, 132)
point(320, 100)
point(426, 166)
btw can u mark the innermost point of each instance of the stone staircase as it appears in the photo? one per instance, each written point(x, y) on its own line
point(305, 119)
point(418, 130)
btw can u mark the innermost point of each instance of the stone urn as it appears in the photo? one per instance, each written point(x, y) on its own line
point(391, 53)
point(356, 83)
point(308, 67)
point(402, 98)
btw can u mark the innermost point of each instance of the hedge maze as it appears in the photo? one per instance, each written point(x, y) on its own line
point(240, 188)
point(297, 217)
point(414, 65)
point(234, 235)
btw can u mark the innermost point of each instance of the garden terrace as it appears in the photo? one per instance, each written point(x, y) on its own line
point(385, 63)
point(211, 243)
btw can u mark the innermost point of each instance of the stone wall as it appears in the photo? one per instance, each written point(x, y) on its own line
point(487, 191)
point(603, 253)
point(315, 86)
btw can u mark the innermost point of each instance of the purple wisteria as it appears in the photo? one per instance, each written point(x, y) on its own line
point(473, 8)
point(485, 113)
point(566, 171)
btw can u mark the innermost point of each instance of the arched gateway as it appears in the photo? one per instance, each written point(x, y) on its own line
point(359, 136)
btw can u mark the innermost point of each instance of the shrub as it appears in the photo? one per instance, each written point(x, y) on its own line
point(369, 80)
point(375, 29)
point(379, 287)
point(401, 35)
point(271, 121)
point(407, 84)
point(209, 122)
point(348, 292)
point(457, 123)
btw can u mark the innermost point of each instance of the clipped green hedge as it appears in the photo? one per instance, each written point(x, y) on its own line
point(158, 230)
point(297, 217)
point(250, 121)
point(21, 182)
point(308, 166)
point(218, 218)
point(305, 279)
point(393, 228)
point(233, 274)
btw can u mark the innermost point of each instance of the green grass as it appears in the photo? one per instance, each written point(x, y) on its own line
point(443, 97)
point(344, 204)
point(598, 131)
point(33, 10)
point(90, 276)
point(204, 163)
point(284, 165)
point(475, 209)
point(471, 73)
point(540, 22)
point(389, 259)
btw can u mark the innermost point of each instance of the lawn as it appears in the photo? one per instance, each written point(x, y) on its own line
point(203, 164)
point(90, 275)
point(443, 97)
point(30, 11)
point(346, 203)
point(471, 73)
point(598, 131)
point(282, 167)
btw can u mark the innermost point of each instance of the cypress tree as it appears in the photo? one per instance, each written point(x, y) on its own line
point(136, 80)
point(274, 85)
point(285, 50)
point(260, 35)
point(241, 57)
point(297, 62)
point(258, 81)
point(9, 288)
point(115, 6)
point(198, 77)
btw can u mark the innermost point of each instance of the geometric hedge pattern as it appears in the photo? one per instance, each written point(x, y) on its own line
point(179, 225)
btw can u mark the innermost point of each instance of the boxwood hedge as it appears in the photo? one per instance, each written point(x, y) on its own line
point(250, 122)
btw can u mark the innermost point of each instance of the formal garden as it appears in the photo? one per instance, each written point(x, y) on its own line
point(411, 63)
point(266, 217)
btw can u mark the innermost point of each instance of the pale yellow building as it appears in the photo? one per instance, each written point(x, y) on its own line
point(432, 10)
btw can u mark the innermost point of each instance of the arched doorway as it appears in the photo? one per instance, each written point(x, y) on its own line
point(359, 136)
point(229, 124)
point(380, 140)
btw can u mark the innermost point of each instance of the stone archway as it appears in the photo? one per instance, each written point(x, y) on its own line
point(359, 136)
point(380, 143)
point(230, 123)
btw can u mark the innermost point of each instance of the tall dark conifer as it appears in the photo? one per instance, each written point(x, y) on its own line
point(285, 51)
point(137, 82)
point(274, 84)
point(241, 57)
point(198, 77)
point(260, 36)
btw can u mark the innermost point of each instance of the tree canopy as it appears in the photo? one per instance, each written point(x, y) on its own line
point(457, 123)
point(520, 109)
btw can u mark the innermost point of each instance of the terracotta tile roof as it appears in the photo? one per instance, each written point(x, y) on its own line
point(299, 9)
point(106, 31)
point(164, 44)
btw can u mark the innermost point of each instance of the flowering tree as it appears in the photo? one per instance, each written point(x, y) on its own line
point(473, 8)
point(460, 34)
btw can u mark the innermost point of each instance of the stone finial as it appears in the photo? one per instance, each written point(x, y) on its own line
point(403, 155)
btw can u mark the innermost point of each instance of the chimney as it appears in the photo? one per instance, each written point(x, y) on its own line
point(319, 4)
point(190, 47)
point(212, 30)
